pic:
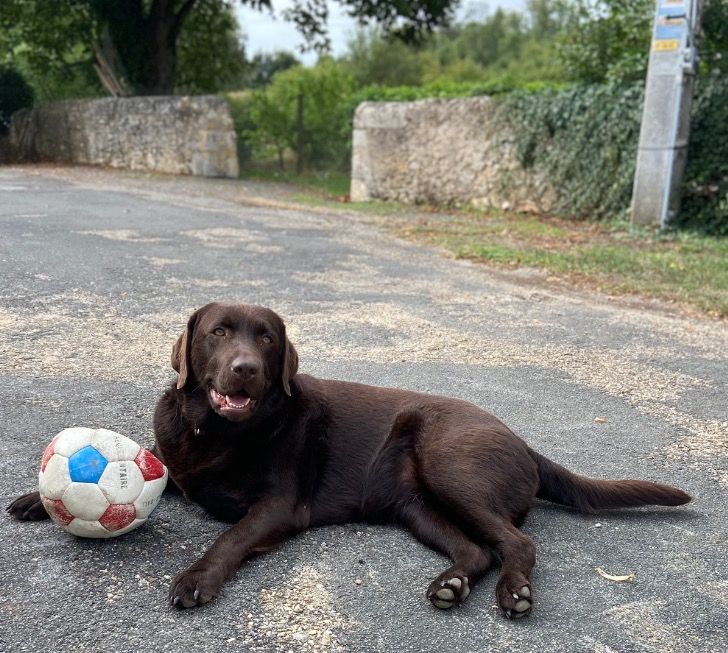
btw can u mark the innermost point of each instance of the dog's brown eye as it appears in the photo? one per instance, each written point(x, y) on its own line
point(218, 331)
point(267, 339)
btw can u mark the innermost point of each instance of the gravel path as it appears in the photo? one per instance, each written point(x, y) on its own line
point(100, 270)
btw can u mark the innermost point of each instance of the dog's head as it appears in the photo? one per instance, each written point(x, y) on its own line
point(237, 354)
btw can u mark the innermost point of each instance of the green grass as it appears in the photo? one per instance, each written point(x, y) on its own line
point(328, 185)
point(684, 268)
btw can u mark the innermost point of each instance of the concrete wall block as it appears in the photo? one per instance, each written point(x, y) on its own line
point(162, 134)
point(441, 151)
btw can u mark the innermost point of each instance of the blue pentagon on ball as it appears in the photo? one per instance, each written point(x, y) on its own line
point(86, 465)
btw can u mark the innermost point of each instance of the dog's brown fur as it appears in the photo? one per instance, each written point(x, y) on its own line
point(313, 452)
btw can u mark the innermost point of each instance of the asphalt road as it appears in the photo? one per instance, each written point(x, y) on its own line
point(99, 272)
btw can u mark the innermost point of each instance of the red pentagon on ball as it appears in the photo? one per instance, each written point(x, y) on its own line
point(50, 450)
point(56, 509)
point(118, 516)
point(150, 466)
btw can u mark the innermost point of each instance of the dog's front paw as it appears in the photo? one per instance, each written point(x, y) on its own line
point(193, 587)
point(28, 508)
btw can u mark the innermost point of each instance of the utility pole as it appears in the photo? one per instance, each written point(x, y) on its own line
point(300, 134)
point(666, 115)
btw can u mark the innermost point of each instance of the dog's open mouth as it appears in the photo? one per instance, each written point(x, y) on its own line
point(234, 405)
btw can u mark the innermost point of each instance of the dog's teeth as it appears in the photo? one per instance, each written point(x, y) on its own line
point(230, 402)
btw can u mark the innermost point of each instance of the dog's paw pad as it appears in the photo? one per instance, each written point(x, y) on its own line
point(515, 603)
point(444, 593)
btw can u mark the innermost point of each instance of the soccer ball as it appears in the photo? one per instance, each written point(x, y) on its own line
point(98, 483)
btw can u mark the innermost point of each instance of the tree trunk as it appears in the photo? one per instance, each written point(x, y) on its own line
point(160, 57)
point(162, 28)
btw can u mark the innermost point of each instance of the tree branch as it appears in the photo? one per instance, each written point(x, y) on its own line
point(184, 11)
point(180, 16)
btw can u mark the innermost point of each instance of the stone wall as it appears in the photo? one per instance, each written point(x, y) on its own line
point(177, 135)
point(441, 151)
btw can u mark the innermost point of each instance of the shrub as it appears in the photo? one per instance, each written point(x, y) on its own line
point(585, 140)
point(325, 89)
point(705, 193)
point(15, 93)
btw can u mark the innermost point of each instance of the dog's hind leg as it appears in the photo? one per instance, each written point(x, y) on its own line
point(394, 490)
point(470, 561)
point(517, 554)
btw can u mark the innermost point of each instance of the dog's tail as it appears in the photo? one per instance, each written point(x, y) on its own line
point(559, 485)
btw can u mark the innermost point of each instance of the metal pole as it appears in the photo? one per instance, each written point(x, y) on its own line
point(300, 135)
point(666, 115)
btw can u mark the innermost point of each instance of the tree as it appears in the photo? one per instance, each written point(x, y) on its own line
point(264, 66)
point(325, 90)
point(15, 93)
point(210, 52)
point(373, 59)
point(82, 44)
point(134, 44)
point(606, 39)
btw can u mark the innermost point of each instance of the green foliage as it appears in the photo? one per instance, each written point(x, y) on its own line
point(210, 54)
point(373, 59)
point(585, 139)
point(15, 93)
point(606, 40)
point(447, 89)
point(55, 43)
point(505, 44)
point(705, 194)
point(488, 43)
point(714, 45)
point(326, 115)
point(264, 66)
point(50, 44)
point(409, 21)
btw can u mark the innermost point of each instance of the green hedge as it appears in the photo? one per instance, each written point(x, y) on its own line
point(585, 139)
point(449, 90)
point(705, 193)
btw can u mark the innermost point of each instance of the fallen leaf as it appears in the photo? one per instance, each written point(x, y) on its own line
point(618, 579)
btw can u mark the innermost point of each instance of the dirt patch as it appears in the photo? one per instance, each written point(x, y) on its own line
point(299, 616)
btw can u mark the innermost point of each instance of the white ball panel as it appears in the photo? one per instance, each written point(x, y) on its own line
point(114, 446)
point(71, 440)
point(53, 482)
point(87, 528)
point(121, 482)
point(130, 527)
point(149, 498)
point(85, 501)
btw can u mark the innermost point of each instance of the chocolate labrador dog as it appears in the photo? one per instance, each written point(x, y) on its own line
point(275, 452)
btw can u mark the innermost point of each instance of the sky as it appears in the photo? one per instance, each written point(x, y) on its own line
point(266, 33)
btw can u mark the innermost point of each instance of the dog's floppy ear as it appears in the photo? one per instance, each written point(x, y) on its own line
point(181, 352)
point(290, 365)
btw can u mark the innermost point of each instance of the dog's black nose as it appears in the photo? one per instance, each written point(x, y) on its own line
point(245, 367)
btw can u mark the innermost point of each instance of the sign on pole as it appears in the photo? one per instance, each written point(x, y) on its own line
point(666, 114)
